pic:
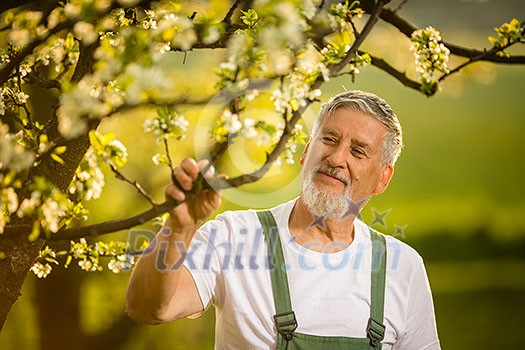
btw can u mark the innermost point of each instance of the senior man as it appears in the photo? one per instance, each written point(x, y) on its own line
point(307, 274)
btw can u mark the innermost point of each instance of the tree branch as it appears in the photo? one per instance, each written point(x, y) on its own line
point(10, 4)
point(400, 76)
point(6, 70)
point(374, 16)
point(133, 183)
point(407, 29)
point(229, 14)
point(43, 83)
point(114, 226)
point(216, 183)
point(159, 103)
point(480, 57)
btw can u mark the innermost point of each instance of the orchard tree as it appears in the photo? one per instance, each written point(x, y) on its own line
point(100, 58)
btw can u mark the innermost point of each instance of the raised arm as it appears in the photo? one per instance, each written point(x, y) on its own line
point(161, 289)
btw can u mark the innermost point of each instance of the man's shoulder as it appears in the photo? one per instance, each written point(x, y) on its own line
point(395, 246)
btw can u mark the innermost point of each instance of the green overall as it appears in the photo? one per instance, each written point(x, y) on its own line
point(284, 318)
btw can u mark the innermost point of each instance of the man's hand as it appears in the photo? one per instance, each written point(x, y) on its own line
point(161, 295)
point(196, 207)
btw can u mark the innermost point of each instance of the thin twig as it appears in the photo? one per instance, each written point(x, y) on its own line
point(159, 103)
point(360, 39)
point(114, 226)
point(167, 150)
point(400, 76)
point(354, 28)
point(24, 52)
point(407, 29)
point(44, 83)
point(119, 175)
point(229, 14)
point(480, 57)
point(156, 210)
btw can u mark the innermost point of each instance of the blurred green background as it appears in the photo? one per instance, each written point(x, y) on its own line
point(457, 197)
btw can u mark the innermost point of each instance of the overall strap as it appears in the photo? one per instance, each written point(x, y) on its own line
point(284, 317)
point(376, 329)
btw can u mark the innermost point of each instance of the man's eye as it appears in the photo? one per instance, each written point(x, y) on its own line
point(358, 152)
point(328, 140)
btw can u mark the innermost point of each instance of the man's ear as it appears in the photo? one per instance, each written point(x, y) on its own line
point(384, 180)
point(303, 156)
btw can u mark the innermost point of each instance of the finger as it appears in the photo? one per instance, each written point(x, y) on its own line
point(172, 191)
point(209, 201)
point(207, 168)
point(190, 167)
point(182, 179)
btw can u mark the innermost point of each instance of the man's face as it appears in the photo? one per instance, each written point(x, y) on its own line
point(342, 162)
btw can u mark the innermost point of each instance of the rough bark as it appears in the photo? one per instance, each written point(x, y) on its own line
point(59, 315)
point(19, 252)
point(58, 311)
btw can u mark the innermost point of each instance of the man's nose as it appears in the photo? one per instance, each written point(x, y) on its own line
point(337, 156)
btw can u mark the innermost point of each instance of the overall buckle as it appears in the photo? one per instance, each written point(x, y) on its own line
point(286, 324)
point(375, 331)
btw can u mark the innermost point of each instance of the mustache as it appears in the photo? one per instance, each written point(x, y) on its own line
point(334, 172)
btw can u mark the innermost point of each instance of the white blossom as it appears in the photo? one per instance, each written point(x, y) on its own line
point(52, 213)
point(74, 106)
point(249, 130)
point(178, 30)
point(27, 206)
point(24, 69)
point(72, 10)
point(431, 56)
point(10, 198)
point(149, 22)
point(8, 205)
point(86, 32)
point(308, 9)
point(145, 82)
point(251, 94)
point(2, 220)
point(231, 122)
point(156, 158)
point(19, 37)
point(87, 265)
point(79, 250)
point(12, 154)
point(41, 270)
point(2, 105)
point(21, 97)
point(211, 35)
point(88, 181)
point(122, 262)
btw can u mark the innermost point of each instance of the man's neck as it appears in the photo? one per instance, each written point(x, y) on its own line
point(321, 234)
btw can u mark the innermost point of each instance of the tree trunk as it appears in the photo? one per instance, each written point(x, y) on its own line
point(57, 300)
point(59, 314)
point(20, 254)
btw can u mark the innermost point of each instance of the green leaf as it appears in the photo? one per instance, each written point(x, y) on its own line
point(93, 139)
point(70, 41)
point(250, 18)
point(60, 149)
point(51, 260)
point(57, 158)
point(68, 261)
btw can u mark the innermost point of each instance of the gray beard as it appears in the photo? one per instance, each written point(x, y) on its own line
point(324, 204)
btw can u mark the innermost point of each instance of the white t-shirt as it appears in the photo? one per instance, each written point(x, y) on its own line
point(330, 293)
